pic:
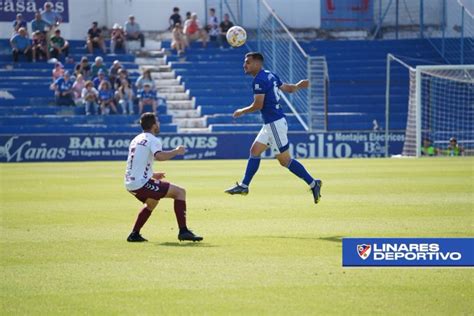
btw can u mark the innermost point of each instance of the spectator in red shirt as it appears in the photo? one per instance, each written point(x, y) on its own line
point(194, 31)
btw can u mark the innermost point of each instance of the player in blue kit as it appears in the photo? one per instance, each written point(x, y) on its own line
point(266, 86)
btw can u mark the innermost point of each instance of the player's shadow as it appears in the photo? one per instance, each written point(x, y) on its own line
point(184, 244)
point(337, 239)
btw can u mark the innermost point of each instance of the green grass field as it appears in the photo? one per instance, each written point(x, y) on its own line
point(63, 248)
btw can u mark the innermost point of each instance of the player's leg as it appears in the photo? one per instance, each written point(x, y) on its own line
point(280, 140)
point(253, 163)
point(145, 212)
point(178, 194)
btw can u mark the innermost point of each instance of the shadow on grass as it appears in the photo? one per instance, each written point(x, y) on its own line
point(184, 244)
point(337, 239)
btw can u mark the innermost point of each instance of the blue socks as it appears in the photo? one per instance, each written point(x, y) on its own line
point(299, 170)
point(252, 167)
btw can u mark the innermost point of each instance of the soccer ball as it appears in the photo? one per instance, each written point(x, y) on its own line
point(236, 36)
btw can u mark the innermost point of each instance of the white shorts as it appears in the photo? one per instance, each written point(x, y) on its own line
point(275, 135)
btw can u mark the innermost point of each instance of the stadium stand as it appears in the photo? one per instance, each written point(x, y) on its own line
point(27, 103)
point(357, 71)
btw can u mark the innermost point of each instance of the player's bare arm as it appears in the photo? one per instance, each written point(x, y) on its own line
point(291, 88)
point(167, 155)
point(256, 105)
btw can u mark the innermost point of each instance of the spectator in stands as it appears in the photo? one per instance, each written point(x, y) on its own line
point(188, 17)
point(132, 31)
point(143, 79)
point(58, 45)
point(19, 23)
point(90, 98)
point(224, 27)
point(122, 75)
point(428, 149)
point(454, 149)
point(98, 65)
point(175, 18)
point(52, 18)
point(106, 98)
point(63, 90)
point(21, 45)
point(147, 97)
point(125, 96)
point(212, 27)
point(194, 31)
point(58, 71)
point(38, 24)
point(40, 47)
point(77, 87)
point(95, 38)
point(99, 79)
point(83, 68)
point(114, 69)
point(178, 41)
point(117, 38)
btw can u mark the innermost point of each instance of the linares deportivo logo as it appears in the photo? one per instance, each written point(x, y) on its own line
point(364, 251)
point(406, 251)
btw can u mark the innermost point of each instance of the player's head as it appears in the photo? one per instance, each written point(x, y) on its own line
point(253, 63)
point(149, 123)
point(453, 141)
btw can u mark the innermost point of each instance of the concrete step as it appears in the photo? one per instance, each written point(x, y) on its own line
point(170, 89)
point(153, 62)
point(181, 114)
point(190, 122)
point(175, 96)
point(163, 75)
point(194, 130)
point(180, 104)
point(167, 82)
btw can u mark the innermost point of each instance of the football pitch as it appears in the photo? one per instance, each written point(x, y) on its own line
point(64, 225)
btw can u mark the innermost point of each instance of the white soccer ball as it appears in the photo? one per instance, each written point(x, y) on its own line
point(236, 36)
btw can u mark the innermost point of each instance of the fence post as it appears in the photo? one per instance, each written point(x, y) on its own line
point(462, 35)
point(274, 65)
point(443, 40)
point(422, 22)
point(259, 40)
point(290, 66)
point(310, 78)
point(396, 17)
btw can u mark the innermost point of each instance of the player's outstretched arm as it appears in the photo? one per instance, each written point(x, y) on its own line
point(256, 105)
point(167, 155)
point(290, 88)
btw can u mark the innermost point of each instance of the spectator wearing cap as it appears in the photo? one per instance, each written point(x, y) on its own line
point(58, 46)
point(40, 47)
point(100, 77)
point(90, 98)
point(106, 98)
point(58, 71)
point(38, 24)
point(117, 38)
point(18, 23)
point(114, 69)
point(21, 45)
point(147, 97)
point(98, 65)
point(133, 32)
point(95, 39)
point(454, 149)
point(83, 68)
point(145, 78)
point(63, 90)
point(194, 31)
point(175, 18)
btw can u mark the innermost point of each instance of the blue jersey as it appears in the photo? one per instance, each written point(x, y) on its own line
point(142, 95)
point(105, 95)
point(267, 83)
point(64, 85)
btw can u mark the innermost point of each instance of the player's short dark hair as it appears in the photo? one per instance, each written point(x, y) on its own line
point(147, 120)
point(212, 10)
point(175, 9)
point(255, 55)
